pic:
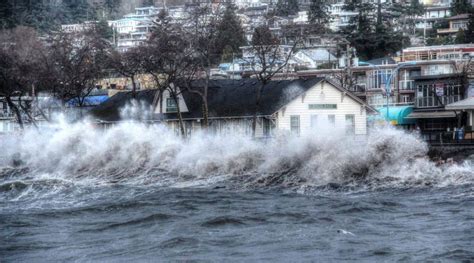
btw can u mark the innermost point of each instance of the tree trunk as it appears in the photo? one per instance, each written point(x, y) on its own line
point(205, 109)
point(178, 111)
point(29, 116)
point(41, 110)
point(258, 97)
point(16, 110)
point(134, 87)
point(160, 102)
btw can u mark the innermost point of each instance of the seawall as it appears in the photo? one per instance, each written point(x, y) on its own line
point(459, 153)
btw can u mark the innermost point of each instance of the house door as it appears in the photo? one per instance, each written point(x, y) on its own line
point(314, 122)
point(188, 127)
point(350, 124)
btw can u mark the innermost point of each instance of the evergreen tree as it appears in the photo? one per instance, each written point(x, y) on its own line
point(6, 14)
point(460, 37)
point(79, 11)
point(230, 33)
point(411, 12)
point(104, 30)
point(286, 7)
point(112, 8)
point(460, 7)
point(432, 34)
point(318, 12)
point(148, 3)
point(46, 15)
point(469, 32)
point(415, 9)
point(262, 36)
point(372, 35)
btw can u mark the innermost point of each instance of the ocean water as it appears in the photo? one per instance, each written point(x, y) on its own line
point(140, 193)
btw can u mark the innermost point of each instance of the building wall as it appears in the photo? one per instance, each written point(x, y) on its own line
point(323, 93)
point(166, 95)
point(7, 125)
point(142, 81)
point(232, 126)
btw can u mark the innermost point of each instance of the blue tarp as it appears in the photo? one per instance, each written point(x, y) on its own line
point(88, 101)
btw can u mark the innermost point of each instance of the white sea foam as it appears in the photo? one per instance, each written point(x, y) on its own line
point(152, 154)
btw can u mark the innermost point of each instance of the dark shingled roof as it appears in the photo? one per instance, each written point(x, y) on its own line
point(230, 98)
point(110, 109)
point(227, 98)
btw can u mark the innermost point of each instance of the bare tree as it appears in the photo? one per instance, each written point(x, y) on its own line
point(128, 64)
point(170, 60)
point(266, 59)
point(79, 62)
point(20, 62)
point(204, 23)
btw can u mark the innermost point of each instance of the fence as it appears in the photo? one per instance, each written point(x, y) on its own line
point(449, 138)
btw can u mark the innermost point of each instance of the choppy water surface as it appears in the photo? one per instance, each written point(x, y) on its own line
point(140, 193)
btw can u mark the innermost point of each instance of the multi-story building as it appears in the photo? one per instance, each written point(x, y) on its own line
point(433, 94)
point(435, 11)
point(339, 17)
point(437, 53)
point(370, 80)
point(77, 28)
point(456, 23)
point(133, 29)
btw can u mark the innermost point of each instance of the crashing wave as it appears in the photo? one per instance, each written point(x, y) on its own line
point(134, 153)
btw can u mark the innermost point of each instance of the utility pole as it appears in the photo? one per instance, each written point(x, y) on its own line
point(424, 30)
point(348, 67)
point(379, 12)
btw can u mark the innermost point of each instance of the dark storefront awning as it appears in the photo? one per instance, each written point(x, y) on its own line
point(466, 104)
point(431, 115)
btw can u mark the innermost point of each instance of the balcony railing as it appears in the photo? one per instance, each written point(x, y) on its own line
point(449, 138)
point(4, 114)
point(447, 30)
point(358, 88)
point(428, 102)
point(406, 85)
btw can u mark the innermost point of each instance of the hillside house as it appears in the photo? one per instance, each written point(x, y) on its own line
point(456, 23)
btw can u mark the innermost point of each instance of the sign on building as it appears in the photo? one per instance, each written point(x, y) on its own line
point(470, 90)
point(439, 89)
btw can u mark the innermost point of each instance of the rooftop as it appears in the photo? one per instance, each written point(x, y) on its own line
point(227, 98)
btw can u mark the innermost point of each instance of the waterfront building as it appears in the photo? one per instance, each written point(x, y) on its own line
point(300, 106)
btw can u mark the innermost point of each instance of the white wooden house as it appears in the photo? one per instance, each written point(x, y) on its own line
point(302, 107)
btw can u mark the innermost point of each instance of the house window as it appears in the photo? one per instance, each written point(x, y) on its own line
point(314, 121)
point(268, 126)
point(171, 105)
point(188, 126)
point(380, 78)
point(322, 106)
point(4, 108)
point(350, 124)
point(437, 94)
point(295, 124)
point(406, 99)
